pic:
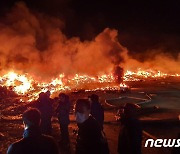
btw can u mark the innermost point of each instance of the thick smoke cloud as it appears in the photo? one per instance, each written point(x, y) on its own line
point(34, 43)
point(158, 61)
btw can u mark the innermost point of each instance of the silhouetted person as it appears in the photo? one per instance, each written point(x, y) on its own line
point(63, 110)
point(130, 136)
point(89, 138)
point(176, 150)
point(33, 142)
point(97, 110)
point(45, 107)
point(48, 94)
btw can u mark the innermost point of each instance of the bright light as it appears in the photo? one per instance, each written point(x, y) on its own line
point(23, 84)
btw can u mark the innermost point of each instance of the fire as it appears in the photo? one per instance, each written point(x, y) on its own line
point(20, 83)
point(146, 74)
point(25, 85)
point(123, 85)
point(106, 78)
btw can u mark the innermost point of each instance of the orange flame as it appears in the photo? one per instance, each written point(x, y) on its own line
point(24, 84)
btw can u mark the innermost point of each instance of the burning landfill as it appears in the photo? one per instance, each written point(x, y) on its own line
point(36, 56)
point(27, 86)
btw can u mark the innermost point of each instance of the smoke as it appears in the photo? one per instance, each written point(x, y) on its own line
point(32, 42)
point(156, 60)
point(118, 74)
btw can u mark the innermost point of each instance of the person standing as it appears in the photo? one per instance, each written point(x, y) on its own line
point(44, 105)
point(33, 141)
point(89, 138)
point(130, 136)
point(97, 110)
point(62, 111)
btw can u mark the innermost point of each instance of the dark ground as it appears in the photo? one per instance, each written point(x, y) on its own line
point(161, 122)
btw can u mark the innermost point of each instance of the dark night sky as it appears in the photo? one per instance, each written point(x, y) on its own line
point(142, 25)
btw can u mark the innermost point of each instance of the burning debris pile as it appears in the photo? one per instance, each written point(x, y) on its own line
point(146, 74)
point(7, 92)
point(35, 56)
point(25, 85)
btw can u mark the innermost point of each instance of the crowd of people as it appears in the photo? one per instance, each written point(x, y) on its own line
point(89, 115)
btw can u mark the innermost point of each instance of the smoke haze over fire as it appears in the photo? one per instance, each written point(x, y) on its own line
point(33, 42)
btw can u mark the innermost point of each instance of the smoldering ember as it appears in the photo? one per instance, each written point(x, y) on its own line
point(37, 55)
